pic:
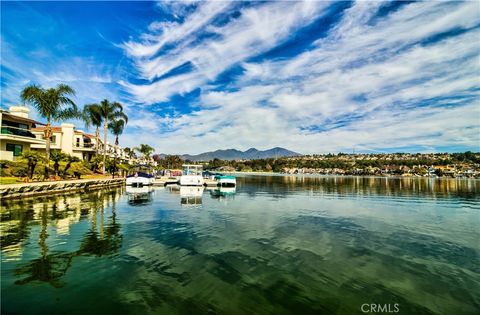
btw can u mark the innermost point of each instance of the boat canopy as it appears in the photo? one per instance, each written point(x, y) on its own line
point(192, 169)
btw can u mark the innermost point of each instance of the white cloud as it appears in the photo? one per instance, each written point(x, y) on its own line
point(309, 103)
point(255, 31)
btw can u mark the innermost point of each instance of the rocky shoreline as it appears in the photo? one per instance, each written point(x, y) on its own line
point(17, 191)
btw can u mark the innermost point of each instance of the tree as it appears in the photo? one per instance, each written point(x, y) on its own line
point(69, 159)
point(116, 127)
point(110, 111)
point(146, 150)
point(56, 157)
point(130, 153)
point(95, 162)
point(53, 104)
point(92, 115)
point(33, 158)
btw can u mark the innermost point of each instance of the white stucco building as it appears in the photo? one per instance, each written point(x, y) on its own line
point(16, 134)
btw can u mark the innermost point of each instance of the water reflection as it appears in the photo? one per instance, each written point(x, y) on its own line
point(191, 195)
point(288, 245)
point(20, 218)
point(280, 186)
point(48, 267)
point(223, 192)
point(139, 195)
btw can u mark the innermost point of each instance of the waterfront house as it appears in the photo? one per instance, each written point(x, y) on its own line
point(68, 140)
point(78, 143)
point(16, 134)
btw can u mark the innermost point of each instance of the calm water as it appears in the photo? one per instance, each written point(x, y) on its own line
point(276, 245)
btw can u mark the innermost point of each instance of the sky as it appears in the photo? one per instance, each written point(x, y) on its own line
point(312, 77)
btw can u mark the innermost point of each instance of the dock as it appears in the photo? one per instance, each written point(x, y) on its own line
point(163, 181)
point(210, 182)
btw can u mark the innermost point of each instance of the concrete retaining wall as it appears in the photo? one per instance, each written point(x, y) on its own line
point(35, 189)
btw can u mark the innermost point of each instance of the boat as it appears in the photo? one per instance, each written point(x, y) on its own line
point(191, 175)
point(141, 176)
point(226, 180)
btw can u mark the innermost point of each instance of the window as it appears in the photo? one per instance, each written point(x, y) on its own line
point(15, 148)
point(53, 139)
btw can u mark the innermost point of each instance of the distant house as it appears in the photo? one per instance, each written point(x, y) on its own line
point(16, 134)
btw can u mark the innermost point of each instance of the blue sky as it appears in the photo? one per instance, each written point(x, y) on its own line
point(314, 77)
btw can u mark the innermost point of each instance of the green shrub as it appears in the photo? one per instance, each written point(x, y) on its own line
point(77, 169)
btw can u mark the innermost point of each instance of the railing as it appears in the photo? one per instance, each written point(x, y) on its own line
point(85, 145)
point(8, 130)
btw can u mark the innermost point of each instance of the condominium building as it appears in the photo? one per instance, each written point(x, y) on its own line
point(16, 133)
point(70, 141)
point(20, 133)
point(78, 143)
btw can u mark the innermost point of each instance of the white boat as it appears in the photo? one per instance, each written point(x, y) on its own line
point(140, 179)
point(191, 175)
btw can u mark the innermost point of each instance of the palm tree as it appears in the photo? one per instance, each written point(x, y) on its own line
point(56, 157)
point(116, 128)
point(146, 150)
point(92, 115)
point(130, 152)
point(32, 157)
point(110, 111)
point(69, 159)
point(53, 104)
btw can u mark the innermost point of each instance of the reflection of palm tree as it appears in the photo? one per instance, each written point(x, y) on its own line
point(47, 268)
point(15, 234)
point(51, 267)
point(108, 241)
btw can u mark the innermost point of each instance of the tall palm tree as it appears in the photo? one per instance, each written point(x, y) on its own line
point(116, 127)
point(53, 104)
point(92, 116)
point(110, 111)
point(146, 150)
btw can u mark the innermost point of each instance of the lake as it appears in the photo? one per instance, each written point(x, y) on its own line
point(273, 245)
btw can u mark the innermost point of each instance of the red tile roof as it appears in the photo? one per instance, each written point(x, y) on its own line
point(56, 129)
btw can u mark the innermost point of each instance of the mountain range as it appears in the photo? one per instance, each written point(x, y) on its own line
point(233, 154)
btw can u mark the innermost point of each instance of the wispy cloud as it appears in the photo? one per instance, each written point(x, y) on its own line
point(373, 82)
point(255, 31)
point(312, 76)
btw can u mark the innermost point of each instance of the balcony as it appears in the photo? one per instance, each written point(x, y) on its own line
point(85, 145)
point(8, 130)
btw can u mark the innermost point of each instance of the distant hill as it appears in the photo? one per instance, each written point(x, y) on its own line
point(232, 154)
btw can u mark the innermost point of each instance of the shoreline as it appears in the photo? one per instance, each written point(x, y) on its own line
point(24, 190)
point(260, 173)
